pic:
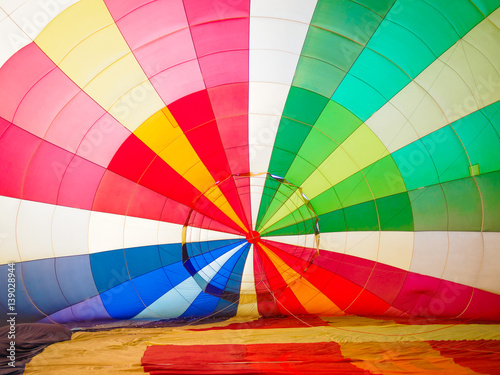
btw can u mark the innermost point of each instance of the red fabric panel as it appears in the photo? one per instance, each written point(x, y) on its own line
point(386, 282)
point(481, 356)
point(199, 11)
point(266, 304)
point(16, 150)
point(218, 36)
point(287, 302)
point(224, 67)
point(303, 321)
point(289, 358)
point(483, 306)
point(147, 204)
point(4, 124)
point(79, 184)
point(192, 110)
point(132, 159)
point(114, 194)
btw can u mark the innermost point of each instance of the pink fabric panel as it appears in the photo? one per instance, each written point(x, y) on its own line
point(74, 121)
point(44, 101)
point(16, 149)
point(229, 100)
point(79, 184)
point(4, 125)
point(178, 81)
point(224, 67)
point(103, 140)
point(120, 8)
point(146, 203)
point(199, 11)
point(114, 194)
point(221, 36)
point(45, 173)
point(164, 53)
point(234, 135)
point(151, 22)
point(18, 75)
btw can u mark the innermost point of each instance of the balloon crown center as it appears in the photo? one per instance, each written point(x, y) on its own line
point(253, 237)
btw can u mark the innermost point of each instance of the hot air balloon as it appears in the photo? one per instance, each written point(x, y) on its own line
point(184, 159)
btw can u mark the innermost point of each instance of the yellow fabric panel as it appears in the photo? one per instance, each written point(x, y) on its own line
point(163, 135)
point(72, 26)
point(392, 358)
point(290, 205)
point(314, 301)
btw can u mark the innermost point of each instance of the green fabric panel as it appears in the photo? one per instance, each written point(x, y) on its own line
point(353, 190)
point(492, 112)
point(303, 105)
point(486, 6)
point(298, 221)
point(379, 73)
point(307, 227)
point(326, 202)
point(337, 122)
point(331, 48)
point(280, 196)
point(343, 17)
point(416, 165)
point(317, 76)
point(280, 161)
point(384, 177)
point(463, 15)
point(361, 217)
point(429, 208)
point(449, 155)
point(299, 170)
point(358, 97)
point(480, 140)
point(464, 205)
point(402, 47)
point(395, 212)
point(380, 7)
point(489, 186)
point(332, 222)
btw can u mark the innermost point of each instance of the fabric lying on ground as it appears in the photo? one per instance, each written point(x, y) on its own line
point(303, 345)
point(28, 340)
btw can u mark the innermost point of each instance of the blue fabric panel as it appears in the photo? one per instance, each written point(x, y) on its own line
point(24, 308)
point(141, 260)
point(226, 308)
point(200, 261)
point(170, 253)
point(202, 306)
point(220, 280)
point(75, 278)
point(39, 277)
point(234, 282)
point(108, 269)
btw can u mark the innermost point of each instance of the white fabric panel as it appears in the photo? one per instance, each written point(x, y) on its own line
point(396, 249)
point(488, 277)
point(272, 66)
point(174, 302)
point(26, 20)
point(464, 79)
point(262, 133)
point(140, 232)
point(298, 10)
point(70, 231)
point(8, 244)
point(430, 253)
point(333, 241)
point(34, 223)
point(464, 258)
point(12, 39)
point(199, 235)
point(105, 232)
point(363, 244)
point(267, 99)
point(169, 233)
point(277, 34)
point(256, 189)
